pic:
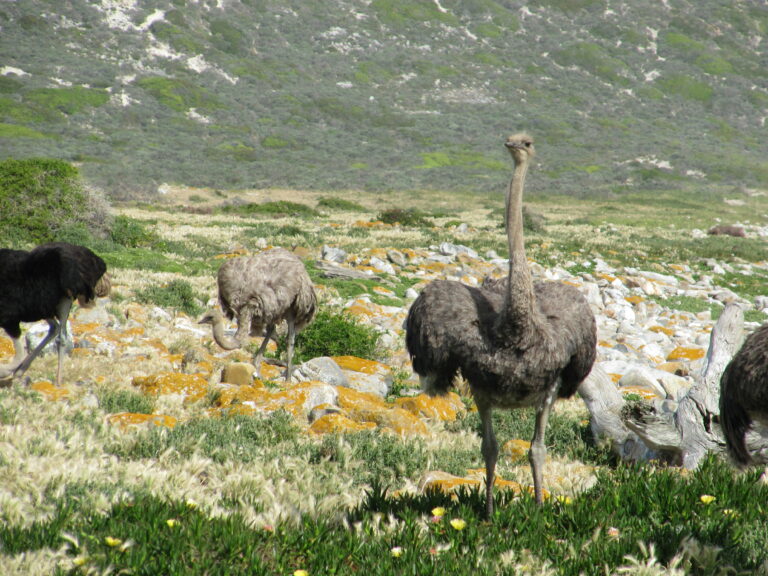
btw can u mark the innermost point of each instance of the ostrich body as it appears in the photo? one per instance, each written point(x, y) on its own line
point(260, 292)
point(744, 394)
point(41, 284)
point(515, 342)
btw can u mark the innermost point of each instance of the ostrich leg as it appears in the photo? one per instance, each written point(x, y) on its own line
point(291, 341)
point(538, 451)
point(260, 353)
point(53, 332)
point(62, 313)
point(490, 450)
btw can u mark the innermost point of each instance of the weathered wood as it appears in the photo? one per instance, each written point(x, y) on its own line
point(680, 434)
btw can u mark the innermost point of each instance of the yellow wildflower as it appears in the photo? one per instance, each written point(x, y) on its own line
point(458, 524)
point(171, 522)
point(707, 498)
point(396, 551)
point(301, 573)
point(438, 512)
point(109, 541)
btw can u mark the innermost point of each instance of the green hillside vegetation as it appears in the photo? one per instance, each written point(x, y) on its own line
point(387, 95)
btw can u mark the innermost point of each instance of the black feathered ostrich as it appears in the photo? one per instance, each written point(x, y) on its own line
point(744, 394)
point(517, 344)
point(41, 284)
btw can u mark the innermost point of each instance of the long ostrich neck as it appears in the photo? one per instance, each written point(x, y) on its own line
point(221, 338)
point(518, 307)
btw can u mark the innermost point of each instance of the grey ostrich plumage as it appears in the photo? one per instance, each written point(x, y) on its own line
point(259, 292)
point(744, 394)
point(517, 343)
point(42, 284)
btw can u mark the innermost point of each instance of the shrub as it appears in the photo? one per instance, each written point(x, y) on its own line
point(175, 294)
point(279, 208)
point(334, 334)
point(333, 203)
point(42, 199)
point(408, 217)
point(131, 233)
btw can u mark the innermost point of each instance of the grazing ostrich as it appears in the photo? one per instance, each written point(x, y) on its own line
point(261, 291)
point(744, 394)
point(41, 285)
point(517, 343)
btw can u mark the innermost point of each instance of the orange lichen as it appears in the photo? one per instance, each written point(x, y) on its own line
point(364, 407)
point(50, 391)
point(193, 386)
point(6, 347)
point(338, 424)
point(79, 328)
point(662, 330)
point(683, 353)
point(361, 365)
point(634, 299)
point(646, 393)
point(517, 448)
point(127, 419)
point(445, 408)
point(614, 377)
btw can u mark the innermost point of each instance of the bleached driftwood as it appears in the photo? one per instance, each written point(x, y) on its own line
point(682, 433)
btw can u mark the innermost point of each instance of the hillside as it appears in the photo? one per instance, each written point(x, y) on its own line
point(388, 94)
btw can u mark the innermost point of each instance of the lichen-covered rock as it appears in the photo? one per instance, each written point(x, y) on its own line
point(49, 390)
point(321, 369)
point(238, 373)
point(193, 387)
point(335, 423)
point(364, 407)
point(445, 408)
point(298, 400)
point(365, 375)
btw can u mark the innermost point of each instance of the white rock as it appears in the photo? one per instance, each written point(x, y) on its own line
point(323, 369)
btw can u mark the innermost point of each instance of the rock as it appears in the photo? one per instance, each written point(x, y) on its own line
point(335, 423)
point(192, 387)
point(322, 369)
point(448, 249)
point(397, 258)
point(130, 420)
point(445, 408)
point(332, 254)
point(382, 266)
point(238, 373)
point(365, 375)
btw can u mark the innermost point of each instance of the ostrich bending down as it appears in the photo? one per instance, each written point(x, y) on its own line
point(517, 344)
point(744, 394)
point(41, 285)
point(261, 291)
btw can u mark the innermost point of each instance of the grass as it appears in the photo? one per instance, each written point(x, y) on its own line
point(386, 534)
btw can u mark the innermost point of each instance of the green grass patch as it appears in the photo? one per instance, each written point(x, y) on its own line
point(175, 294)
point(178, 94)
point(18, 131)
point(277, 208)
point(340, 204)
point(68, 101)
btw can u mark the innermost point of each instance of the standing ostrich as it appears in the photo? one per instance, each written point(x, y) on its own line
point(261, 291)
point(517, 344)
point(41, 285)
point(744, 394)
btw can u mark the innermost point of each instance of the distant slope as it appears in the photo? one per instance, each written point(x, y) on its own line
point(388, 94)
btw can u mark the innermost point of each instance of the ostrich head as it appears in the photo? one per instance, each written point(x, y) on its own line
point(211, 317)
point(520, 146)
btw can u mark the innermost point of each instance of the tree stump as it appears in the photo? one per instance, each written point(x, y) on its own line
point(680, 433)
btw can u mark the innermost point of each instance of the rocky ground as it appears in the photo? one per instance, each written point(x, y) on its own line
point(649, 349)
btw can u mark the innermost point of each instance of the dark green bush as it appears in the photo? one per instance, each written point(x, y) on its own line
point(334, 334)
point(132, 233)
point(44, 199)
point(333, 203)
point(404, 217)
point(176, 294)
point(279, 208)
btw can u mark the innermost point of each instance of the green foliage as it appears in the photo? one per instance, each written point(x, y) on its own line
point(594, 59)
point(334, 334)
point(177, 93)
point(40, 198)
point(405, 217)
point(606, 530)
point(132, 233)
point(235, 438)
point(68, 101)
point(278, 208)
point(460, 159)
point(341, 204)
point(685, 86)
point(116, 400)
point(175, 294)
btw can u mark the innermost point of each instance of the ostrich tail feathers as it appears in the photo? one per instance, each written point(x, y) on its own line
point(735, 422)
point(433, 385)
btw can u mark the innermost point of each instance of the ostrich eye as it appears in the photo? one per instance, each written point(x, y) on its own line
point(527, 144)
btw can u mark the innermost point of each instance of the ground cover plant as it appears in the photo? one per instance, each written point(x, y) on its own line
point(240, 492)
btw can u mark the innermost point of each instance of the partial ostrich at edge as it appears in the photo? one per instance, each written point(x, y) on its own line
point(42, 284)
point(260, 292)
point(744, 395)
point(517, 344)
